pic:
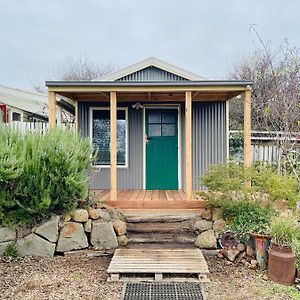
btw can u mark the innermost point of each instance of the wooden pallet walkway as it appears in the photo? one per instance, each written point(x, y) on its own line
point(158, 265)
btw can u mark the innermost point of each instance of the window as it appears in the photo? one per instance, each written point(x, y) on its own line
point(162, 124)
point(16, 116)
point(101, 136)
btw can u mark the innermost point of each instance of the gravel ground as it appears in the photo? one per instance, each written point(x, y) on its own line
point(85, 278)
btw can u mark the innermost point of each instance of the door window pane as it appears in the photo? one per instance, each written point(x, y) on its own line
point(168, 118)
point(101, 136)
point(154, 130)
point(154, 118)
point(168, 130)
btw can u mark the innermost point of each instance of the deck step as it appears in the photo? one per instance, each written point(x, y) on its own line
point(160, 215)
point(161, 238)
point(160, 227)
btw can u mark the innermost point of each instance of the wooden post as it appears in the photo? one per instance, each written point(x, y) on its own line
point(113, 146)
point(188, 146)
point(52, 109)
point(247, 128)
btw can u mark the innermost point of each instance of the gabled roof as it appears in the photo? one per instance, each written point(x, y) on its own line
point(151, 62)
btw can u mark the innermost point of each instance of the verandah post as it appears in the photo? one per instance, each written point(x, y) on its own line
point(113, 146)
point(247, 128)
point(188, 146)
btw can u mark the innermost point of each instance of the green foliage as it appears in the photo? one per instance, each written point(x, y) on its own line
point(11, 251)
point(296, 249)
point(236, 143)
point(41, 174)
point(284, 230)
point(226, 177)
point(243, 216)
point(232, 177)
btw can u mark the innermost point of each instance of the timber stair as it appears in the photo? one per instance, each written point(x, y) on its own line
point(160, 228)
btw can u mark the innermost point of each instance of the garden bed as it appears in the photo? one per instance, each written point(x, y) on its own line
point(73, 277)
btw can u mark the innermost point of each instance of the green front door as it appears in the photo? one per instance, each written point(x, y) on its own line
point(161, 149)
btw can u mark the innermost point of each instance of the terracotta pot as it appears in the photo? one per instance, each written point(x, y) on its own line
point(298, 274)
point(262, 243)
point(282, 264)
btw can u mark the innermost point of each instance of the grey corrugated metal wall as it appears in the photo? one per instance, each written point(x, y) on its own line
point(152, 74)
point(128, 178)
point(209, 137)
point(209, 143)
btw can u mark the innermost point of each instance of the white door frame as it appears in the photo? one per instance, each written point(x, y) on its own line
point(156, 106)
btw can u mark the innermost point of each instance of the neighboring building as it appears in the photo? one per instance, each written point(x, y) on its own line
point(23, 106)
point(169, 126)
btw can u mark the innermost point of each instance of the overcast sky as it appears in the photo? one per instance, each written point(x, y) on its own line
point(205, 37)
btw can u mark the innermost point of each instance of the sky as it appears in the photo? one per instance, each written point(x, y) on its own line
point(204, 37)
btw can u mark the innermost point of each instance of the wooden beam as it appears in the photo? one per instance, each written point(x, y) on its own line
point(247, 128)
point(145, 89)
point(188, 146)
point(52, 109)
point(113, 146)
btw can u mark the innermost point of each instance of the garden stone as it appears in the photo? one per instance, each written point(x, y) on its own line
point(7, 234)
point(202, 225)
point(72, 237)
point(120, 227)
point(206, 240)
point(123, 240)
point(240, 257)
point(217, 214)
point(241, 247)
point(34, 245)
point(219, 226)
point(88, 226)
point(103, 236)
point(80, 215)
point(96, 214)
point(3, 246)
point(67, 217)
point(231, 254)
point(250, 251)
point(205, 213)
point(116, 214)
point(49, 230)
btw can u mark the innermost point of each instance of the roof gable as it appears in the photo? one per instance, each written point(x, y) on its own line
point(151, 69)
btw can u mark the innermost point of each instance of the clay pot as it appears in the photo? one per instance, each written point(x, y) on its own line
point(282, 264)
point(298, 274)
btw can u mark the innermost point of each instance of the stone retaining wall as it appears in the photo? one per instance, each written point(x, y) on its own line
point(102, 228)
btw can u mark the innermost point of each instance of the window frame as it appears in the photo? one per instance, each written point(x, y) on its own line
point(92, 109)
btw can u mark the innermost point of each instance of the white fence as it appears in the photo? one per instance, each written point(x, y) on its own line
point(265, 153)
point(35, 126)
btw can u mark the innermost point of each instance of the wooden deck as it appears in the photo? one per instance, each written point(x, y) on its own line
point(149, 199)
point(160, 264)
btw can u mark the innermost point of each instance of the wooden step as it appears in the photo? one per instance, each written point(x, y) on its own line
point(160, 215)
point(160, 227)
point(161, 238)
point(159, 263)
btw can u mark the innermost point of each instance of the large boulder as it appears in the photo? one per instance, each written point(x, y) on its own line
point(217, 214)
point(3, 247)
point(7, 234)
point(97, 213)
point(80, 215)
point(34, 245)
point(103, 235)
point(205, 213)
point(219, 226)
point(49, 230)
point(72, 237)
point(202, 225)
point(120, 227)
point(206, 240)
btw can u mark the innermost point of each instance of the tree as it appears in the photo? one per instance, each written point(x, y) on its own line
point(275, 97)
point(74, 69)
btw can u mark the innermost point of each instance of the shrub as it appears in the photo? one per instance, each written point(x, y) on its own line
point(284, 231)
point(232, 177)
point(41, 174)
